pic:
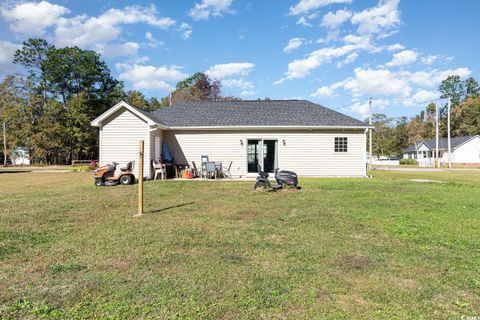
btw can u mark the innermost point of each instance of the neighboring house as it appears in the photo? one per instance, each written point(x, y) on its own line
point(465, 151)
point(20, 156)
point(297, 135)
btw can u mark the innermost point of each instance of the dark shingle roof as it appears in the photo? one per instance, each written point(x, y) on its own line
point(253, 113)
point(442, 143)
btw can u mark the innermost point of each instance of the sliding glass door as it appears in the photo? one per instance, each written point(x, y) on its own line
point(262, 152)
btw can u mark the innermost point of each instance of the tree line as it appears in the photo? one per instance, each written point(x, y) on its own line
point(392, 135)
point(48, 108)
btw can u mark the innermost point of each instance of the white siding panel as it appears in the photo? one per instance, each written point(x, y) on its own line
point(307, 152)
point(120, 134)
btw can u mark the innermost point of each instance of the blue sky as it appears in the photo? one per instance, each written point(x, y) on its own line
point(334, 52)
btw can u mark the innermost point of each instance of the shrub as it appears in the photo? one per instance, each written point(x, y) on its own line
point(82, 168)
point(408, 161)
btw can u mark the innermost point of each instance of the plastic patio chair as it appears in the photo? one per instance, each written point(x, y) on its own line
point(226, 171)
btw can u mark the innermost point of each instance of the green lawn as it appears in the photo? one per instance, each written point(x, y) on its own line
point(385, 247)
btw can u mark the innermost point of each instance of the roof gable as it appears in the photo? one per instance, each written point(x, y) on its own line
point(148, 117)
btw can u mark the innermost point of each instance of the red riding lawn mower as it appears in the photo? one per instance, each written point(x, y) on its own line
point(111, 174)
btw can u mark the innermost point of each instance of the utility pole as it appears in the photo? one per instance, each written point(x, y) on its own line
point(370, 134)
point(4, 143)
point(449, 137)
point(437, 165)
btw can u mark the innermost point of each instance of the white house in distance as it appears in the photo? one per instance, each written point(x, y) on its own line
point(295, 135)
point(465, 151)
point(20, 156)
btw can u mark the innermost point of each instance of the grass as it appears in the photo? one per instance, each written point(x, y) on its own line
point(386, 247)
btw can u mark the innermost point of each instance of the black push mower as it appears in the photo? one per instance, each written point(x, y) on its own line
point(285, 180)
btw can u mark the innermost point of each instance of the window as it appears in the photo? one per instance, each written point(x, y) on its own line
point(341, 144)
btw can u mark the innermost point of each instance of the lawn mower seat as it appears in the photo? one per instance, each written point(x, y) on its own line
point(262, 173)
point(129, 166)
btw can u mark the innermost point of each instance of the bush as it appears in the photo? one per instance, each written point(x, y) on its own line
point(408, 161)
point(82, 168)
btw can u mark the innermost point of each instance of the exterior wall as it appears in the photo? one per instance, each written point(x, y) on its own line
point(468, 152)
point(119, 136)
point(307, 152)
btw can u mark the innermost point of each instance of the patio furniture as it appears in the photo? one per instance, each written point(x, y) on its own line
point(195, 171)
point(203, 169)
point(226, 171)
point(210, 170)
point(218, 167)
point(159, 167)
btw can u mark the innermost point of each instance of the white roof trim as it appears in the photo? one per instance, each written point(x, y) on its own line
point(122, 104)
point(268, 127)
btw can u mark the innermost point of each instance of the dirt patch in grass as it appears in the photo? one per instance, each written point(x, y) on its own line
point(349, 262)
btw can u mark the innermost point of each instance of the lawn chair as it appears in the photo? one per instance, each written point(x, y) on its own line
point(218, 167)
point(195, 171)
point(210, 170)
point(226, 171)
point(159, 167)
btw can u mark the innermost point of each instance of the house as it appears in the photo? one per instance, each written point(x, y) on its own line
point(20, 156)
point(465, 151)
point(297, 135)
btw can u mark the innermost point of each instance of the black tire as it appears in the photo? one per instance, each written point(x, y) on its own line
point(260, 186)
point(99, 182)
point(126, 180)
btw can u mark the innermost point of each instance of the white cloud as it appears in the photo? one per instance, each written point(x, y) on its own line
point(349, 59)
point(324, 92)
point(89, 32)
point(432, 78)
point(430, 59)
point(207, 8)
point(300, 68)
point(334, 20)
point(100, 33)
point(221, 71)
point(379, 19)
point(152, 42)
point(7, 50)
point(150, 77)
point(305, 6)
point(304, 21)
point(402, 58)
point(363, 108)
point(396, 86)
point(247, 93)
point(118, 49)
point(421, 97)
point(395, 47)
point(186, 30)
point(377, 82)
point(293, 44)
point(237, 83)
point(31, 18)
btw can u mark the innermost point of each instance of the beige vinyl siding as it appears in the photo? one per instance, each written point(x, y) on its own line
point(119, 136)
point(307, 152)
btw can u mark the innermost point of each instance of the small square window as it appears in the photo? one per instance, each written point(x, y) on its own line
point(341, 144)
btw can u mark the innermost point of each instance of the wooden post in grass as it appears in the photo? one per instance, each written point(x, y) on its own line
point(140, 178)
